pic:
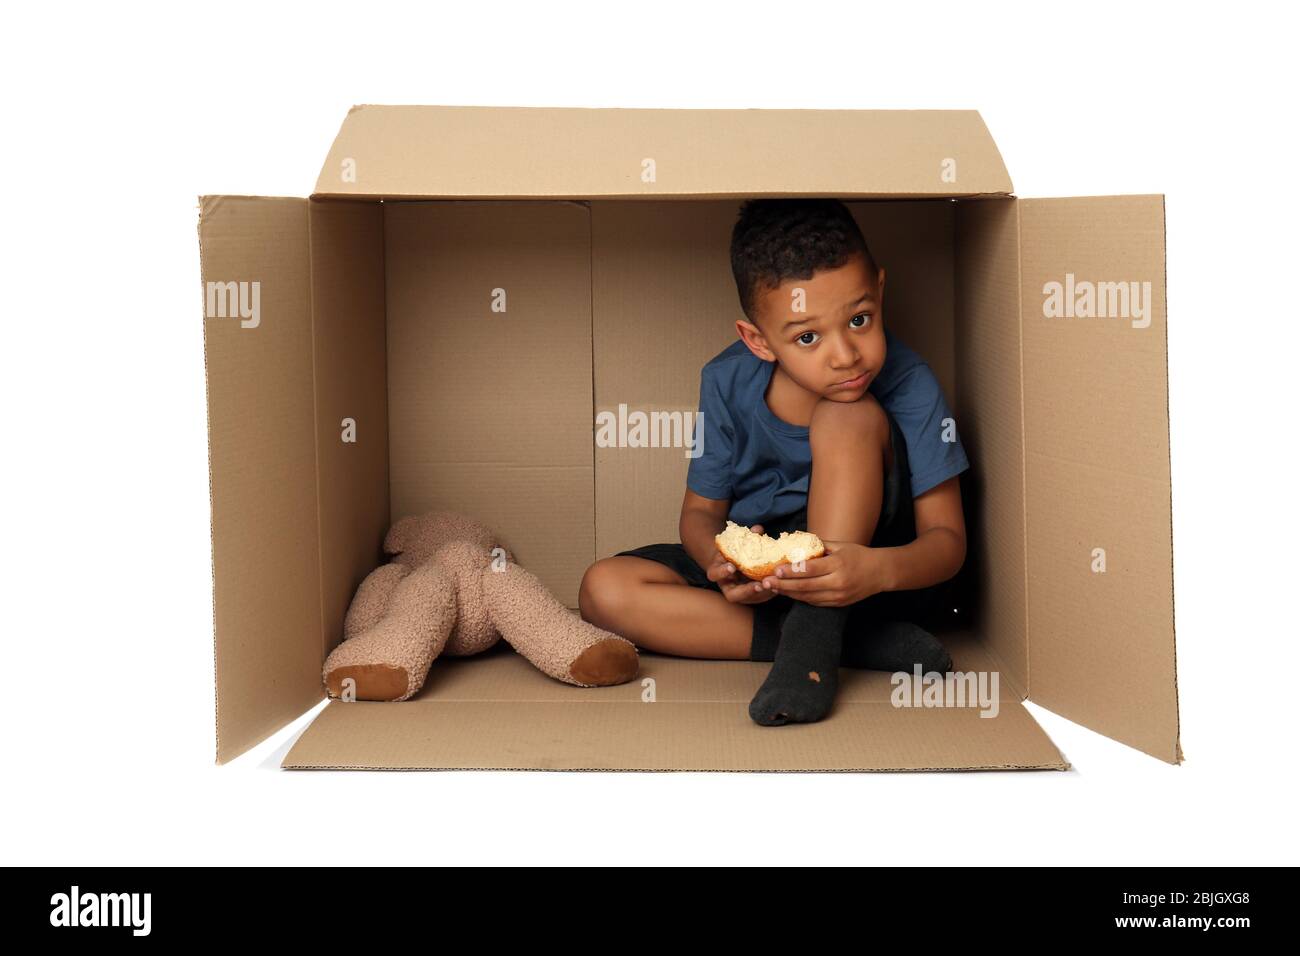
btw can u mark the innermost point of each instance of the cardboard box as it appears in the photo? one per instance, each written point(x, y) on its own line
point(370, 302)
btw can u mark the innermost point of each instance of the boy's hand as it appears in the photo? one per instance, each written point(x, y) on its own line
point(846, 574)
point(737, 588)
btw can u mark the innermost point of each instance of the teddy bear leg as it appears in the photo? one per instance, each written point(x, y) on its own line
point(554, 639)
point(371, 600)
point(391, 659)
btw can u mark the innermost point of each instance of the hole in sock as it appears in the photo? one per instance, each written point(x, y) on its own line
point(814, 676)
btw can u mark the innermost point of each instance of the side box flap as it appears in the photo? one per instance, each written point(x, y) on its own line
point(1099, 526)
point(256, 276)
point(449, 152)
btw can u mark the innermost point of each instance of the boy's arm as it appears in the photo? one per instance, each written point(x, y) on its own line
point(702, 518)
point(940, 546)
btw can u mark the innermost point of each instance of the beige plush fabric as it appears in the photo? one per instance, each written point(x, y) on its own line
point(390, 659)
point(445, 593)
point(371, 600)
point(466, 563)
point(551, 636)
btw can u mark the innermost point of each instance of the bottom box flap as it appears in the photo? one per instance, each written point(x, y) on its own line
point(495, 712)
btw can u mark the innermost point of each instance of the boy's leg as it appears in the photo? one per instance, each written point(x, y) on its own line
point(851, 450)
point(886, 631)
point(657, 609)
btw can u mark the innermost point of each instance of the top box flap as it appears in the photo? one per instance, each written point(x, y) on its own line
point(448, 152)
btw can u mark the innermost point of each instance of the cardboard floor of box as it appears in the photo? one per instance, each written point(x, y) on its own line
point(496, 712)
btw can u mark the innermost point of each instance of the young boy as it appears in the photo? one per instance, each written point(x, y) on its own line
point(817, 419)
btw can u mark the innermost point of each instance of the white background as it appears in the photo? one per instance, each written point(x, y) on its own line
point(114, 122)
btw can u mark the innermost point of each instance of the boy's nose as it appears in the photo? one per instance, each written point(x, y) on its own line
point(846, 359)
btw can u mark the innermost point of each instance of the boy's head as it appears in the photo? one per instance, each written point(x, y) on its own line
point(811, 292)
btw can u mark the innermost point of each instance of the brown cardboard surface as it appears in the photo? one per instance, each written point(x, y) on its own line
point(497, 712)
point(520, 152)
point(347, 250)
point(990, 424)
point(262, 452)
point(1101, 648)
point(491, 413)
point(664, 303)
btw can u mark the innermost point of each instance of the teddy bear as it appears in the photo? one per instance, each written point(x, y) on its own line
point(451, 588)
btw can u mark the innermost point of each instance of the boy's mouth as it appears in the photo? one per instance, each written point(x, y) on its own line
point(853, 382)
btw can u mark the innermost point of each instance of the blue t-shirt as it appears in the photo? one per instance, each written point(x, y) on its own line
point(763, 464)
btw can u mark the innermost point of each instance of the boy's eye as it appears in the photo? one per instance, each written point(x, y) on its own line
point(802, 340)
point(864, 316)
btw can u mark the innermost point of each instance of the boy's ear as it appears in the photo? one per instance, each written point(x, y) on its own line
point(754, 340)
point(880, 283)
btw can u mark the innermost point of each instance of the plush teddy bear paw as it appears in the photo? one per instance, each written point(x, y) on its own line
point(368, 682)
point(391, 660)
point(607, 662)
point(371, 666)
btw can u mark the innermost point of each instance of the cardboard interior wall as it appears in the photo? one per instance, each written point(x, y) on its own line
point(379, 319)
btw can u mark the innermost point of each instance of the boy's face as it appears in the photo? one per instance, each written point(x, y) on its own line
point(835, 346)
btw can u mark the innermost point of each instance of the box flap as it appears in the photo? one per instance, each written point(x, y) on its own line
point(256, 276)
point(1099, 526)
point(496, 712)
point(447, 152)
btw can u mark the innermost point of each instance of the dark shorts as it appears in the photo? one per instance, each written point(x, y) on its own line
point(896, 526)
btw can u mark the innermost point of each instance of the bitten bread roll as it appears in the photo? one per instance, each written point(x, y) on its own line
point(757, 555)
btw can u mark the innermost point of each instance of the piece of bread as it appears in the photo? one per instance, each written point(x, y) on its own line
point(757, 555)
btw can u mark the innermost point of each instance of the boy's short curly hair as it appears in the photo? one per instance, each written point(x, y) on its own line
point(778, 239)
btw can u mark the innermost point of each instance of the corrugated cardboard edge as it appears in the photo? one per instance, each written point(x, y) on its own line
point(207, 436)
point(1064, 765)
point(591, 335)
point(316, 446)
point(682, 196)
point(1024, 446)
point(316, 403)
point(1173, 573)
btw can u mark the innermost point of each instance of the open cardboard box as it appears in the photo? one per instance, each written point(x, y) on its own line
point(369, 306)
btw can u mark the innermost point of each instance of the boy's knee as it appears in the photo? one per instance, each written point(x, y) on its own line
point(838, 422)
point(601, 592)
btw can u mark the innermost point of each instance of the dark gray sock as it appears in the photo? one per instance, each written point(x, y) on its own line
point(800, 688)
point(870, 645)
point(894, 646)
